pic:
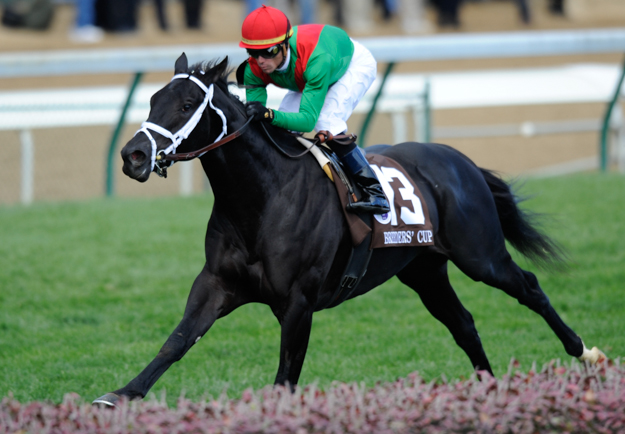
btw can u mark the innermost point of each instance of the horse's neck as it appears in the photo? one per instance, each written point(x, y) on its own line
point(245, 169)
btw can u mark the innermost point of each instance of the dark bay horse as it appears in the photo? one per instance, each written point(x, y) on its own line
point(277, 234)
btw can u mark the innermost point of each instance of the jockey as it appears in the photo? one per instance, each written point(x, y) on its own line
point(326, 73)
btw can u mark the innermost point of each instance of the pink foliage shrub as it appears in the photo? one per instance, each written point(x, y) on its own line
point(558, 399)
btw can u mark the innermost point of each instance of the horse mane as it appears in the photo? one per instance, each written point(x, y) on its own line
point(207, 72)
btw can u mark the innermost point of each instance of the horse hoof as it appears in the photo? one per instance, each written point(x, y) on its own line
point(593, 356)
point(108, 400)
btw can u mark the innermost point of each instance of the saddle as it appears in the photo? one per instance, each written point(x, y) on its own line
point(407, 224)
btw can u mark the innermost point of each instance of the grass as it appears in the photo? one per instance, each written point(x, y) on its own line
point(90, 291)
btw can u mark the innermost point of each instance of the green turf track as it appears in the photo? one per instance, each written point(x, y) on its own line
point(89, 292)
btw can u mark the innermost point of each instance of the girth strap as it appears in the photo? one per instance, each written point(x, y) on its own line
point(356, 266)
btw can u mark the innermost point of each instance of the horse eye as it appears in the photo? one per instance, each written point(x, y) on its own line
point(186, 107)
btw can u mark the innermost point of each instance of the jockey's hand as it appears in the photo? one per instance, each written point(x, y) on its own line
point(258, 112)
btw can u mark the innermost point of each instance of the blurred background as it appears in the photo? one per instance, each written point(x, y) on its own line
point(522, 116)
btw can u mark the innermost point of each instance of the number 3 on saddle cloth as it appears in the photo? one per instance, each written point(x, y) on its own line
point(407, 224)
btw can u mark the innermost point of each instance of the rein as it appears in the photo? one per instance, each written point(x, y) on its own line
point(282, 151)
point(199, 152)
point(321, 137)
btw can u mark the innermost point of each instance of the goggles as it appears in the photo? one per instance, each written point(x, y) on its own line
point(265, 53)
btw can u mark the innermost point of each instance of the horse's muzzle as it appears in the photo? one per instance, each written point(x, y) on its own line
point(137, 163)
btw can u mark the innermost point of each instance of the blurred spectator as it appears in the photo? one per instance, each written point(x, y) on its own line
point(308, 11)
point(160, 14)
point(358, 15)
point(251, 5)
point(389, 8)
point(524, 10)
point(116, 15)
point(307, 8)
point(193, 13)
point(556, 7)
point(447, 12)
point(85, 30)
point(339, 17)
point(30, 14)
point(413, 16)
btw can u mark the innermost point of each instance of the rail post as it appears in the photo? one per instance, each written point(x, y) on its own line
point(367, 121)
point(110, 188)
point(28, 163)
point(422, 115)
point(603, 145)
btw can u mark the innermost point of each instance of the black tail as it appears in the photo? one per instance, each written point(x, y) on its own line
point(519, 226)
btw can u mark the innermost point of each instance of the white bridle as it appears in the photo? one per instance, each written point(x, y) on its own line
point(182, 133)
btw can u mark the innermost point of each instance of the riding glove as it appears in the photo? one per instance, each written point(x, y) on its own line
point(257, 111)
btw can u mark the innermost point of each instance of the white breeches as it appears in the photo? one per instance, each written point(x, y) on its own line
point(343, 96)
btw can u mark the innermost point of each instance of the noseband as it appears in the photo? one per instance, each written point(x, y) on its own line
point(159, 159)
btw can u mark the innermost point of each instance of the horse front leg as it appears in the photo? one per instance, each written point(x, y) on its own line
point(296, 323)
point(204, 306)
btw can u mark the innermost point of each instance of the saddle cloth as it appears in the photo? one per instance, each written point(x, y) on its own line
point(408, 222)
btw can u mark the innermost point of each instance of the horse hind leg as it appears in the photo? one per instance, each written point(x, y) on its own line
point(429, 279)
point(592, 356)
point(501, 272)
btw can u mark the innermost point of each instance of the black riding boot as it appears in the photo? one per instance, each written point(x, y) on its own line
point(373, 198)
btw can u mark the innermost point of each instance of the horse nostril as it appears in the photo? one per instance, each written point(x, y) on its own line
point(137, 157)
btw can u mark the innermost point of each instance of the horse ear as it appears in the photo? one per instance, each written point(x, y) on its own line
point(182, 65)
point(219, 70)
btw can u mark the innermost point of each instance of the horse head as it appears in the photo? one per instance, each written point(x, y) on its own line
point(178, 118)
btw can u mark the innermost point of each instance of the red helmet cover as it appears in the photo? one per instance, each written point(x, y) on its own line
point(264, 27)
